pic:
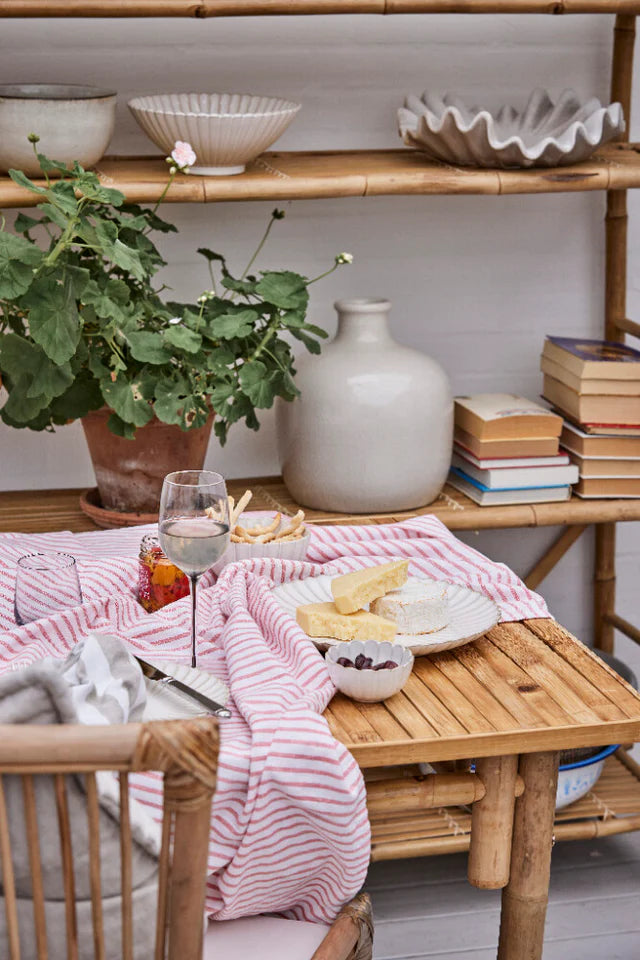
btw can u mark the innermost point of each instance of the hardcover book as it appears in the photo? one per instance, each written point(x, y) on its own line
point(516, 478)
point(609, 469)
point(624, 488)
point(585, 445)
point(622, 411)
point(503, 416)
point(594, 359)
point(488, 498)
point(626, 388)
point(518, 447)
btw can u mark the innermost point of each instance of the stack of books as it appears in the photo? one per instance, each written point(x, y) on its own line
point(506, 450)
point(595, 385)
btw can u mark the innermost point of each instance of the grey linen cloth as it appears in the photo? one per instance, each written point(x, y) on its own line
point(98, 683)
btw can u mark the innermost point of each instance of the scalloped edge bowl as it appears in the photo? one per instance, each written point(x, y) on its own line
point(369, 686)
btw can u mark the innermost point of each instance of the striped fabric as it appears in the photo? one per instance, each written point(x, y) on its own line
point(289, 825)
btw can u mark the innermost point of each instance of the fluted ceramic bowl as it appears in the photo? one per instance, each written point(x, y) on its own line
point(275, 550)
point(226, 130)
point(546, 133)
point(369, 686)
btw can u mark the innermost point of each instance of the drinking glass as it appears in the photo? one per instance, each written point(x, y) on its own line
point(193, 526)
point(45, 584)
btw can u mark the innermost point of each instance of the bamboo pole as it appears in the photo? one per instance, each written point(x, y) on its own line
point(629, 326)
point(619, 623)
point(492, 823)
point(604, 586)
point(554, 554)
point(524, 899)
point(392, 797)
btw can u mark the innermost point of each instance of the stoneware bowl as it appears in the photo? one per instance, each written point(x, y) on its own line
point(545, 133)
point(73, 122)
point(289, 550)
point(226, 130)
point(369, 686)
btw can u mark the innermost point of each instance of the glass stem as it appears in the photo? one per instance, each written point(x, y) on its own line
point(194, 584)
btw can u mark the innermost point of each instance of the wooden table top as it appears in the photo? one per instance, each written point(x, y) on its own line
point(524, 687)
point(37, 511)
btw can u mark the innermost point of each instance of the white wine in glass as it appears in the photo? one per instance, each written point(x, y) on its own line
point(193, 527)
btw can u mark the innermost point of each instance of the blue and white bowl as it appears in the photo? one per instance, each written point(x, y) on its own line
point(575, 780)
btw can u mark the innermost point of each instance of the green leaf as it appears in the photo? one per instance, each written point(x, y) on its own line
point(125, 399)
point(53, 318)
point(316, 331)
point(128, 260)
point(62, 195)
point(23, 181)
point(23, 223)
point(18, 257)
point(183, 339)
point(286, 290)
point(147, 347)
point(220, 393)
point(121, 429)
point(170, 400)
point(54, 215)
point(48, 165)
point(312, 345)
point(104, 305)
point(82, 396)
point(18, 356)
point(19, 410)
point(211, 256)
point(50, 379)
point(256, 383)
point(247, 287)
point(238, 323)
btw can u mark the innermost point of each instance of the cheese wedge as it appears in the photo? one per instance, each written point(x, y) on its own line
point(354, 591)
point(323, 620)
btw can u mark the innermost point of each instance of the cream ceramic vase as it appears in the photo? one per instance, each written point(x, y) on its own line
point(373, 427)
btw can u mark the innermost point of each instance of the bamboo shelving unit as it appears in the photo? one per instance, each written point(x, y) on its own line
point(352, 173)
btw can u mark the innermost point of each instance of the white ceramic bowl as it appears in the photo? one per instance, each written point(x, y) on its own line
point(73, 122)
point(226, 130)
point(369, 686)
point(575, 780)
point(289, 550)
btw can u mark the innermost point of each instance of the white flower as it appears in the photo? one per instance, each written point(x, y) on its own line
point(344, 258)
point(175, 320)
point(183, 154)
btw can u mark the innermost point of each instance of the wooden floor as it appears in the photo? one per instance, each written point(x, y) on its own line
point(425, 910)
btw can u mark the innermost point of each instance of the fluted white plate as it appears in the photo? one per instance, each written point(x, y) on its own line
point(226, 130)
point(471, 614)
point(163, 703)
point(546, 133)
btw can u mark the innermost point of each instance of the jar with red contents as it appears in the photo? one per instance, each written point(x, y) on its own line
point(159, 580)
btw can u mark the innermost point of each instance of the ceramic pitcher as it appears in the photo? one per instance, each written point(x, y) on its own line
point(372, 429)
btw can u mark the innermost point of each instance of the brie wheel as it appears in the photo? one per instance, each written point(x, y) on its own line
point(417, 607)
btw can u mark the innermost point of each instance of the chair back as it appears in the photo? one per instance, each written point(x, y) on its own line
point(44, 770)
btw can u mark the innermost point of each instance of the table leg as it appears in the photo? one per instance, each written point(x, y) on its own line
point(492, 823)
point(524, 899)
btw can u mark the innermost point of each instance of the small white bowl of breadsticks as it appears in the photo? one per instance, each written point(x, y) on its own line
point(263, 534)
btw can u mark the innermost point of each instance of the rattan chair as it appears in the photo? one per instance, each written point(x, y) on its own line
point(185, 752)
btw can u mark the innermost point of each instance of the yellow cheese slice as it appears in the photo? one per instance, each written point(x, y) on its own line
point(323, 620)
point(354, 591)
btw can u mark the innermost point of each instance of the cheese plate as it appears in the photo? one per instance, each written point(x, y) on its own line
point(471, 614)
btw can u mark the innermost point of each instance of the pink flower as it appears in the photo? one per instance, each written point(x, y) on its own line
point(183, 154)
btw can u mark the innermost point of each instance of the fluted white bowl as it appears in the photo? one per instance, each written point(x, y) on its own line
point(276, 550)
point(370, 686)
point(226, 130)
point(546, 133)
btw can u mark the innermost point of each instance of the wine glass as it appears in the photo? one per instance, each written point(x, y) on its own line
point(193, 526)
point(45, 584)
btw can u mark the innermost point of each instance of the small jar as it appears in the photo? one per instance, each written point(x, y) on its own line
point(159, 580)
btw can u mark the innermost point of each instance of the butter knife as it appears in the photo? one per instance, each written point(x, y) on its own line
point(166, 680)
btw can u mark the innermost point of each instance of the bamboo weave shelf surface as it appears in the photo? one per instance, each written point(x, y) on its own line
point(37, 511)
point(522, 688)
point(613, 806)
point(240, 8)
point(353, 173)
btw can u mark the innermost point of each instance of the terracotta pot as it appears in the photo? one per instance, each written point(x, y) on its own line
point(129, 473)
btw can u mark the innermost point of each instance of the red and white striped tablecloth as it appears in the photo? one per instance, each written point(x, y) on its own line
point(289, 823)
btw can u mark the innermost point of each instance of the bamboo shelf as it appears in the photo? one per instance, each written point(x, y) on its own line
point(39, 511)
point(247, 8)
point(352, 173)
point(613, 806)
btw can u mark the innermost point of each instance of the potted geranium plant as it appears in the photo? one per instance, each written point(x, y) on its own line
point(84, 333)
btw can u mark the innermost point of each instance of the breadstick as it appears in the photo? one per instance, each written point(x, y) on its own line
point(293, 525)
point(240, 506)
point(292, 536)
point(265, 528)
point(246, 536)
point(236, 539)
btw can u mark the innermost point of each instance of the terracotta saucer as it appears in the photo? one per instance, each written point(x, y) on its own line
point(91, 505)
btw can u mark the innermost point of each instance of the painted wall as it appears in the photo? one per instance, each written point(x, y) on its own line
point(475, 281)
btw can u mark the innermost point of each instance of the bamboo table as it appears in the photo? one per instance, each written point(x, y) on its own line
point(511, 701)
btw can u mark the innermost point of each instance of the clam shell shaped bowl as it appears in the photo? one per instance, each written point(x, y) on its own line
point(370, 686)
point(226, 130)
point(544, 134)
